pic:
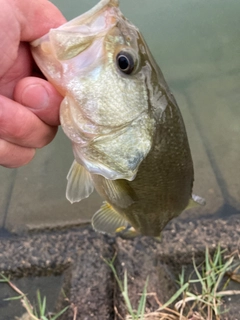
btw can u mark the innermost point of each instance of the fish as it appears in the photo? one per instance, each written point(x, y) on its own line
point(128, 136)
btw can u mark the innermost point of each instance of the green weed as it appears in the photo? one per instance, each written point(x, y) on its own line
point(34, 313)
point(135, 314)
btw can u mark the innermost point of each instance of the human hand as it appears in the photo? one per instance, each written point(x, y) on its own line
point(29, 106)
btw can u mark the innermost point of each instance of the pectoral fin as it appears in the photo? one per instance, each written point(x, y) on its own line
point(195, 201)
point(107, 220)
point(80, 184)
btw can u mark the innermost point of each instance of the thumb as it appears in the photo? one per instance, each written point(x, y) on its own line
point(36, 17)
point(40, 97)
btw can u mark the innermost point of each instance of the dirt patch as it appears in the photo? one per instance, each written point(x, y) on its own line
point(88, 281)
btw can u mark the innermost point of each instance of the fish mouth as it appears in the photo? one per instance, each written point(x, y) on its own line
point(66, 42)
point(89, 22)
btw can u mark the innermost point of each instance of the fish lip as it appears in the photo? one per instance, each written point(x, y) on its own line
point(89, 15)
point(103, 4)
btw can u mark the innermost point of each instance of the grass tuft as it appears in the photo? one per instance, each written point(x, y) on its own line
point(190, 304)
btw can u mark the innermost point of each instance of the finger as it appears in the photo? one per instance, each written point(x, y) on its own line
point(40, 97)
point(36, 17)
point(20, 126)
point(13, 156)
point(11, 73)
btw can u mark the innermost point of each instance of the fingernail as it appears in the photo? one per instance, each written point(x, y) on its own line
point(35, 96)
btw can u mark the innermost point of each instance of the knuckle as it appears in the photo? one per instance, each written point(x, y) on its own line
point(14, 156)
point(47, 138)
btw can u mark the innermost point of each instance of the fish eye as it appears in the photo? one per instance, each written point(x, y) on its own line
point(125, 62)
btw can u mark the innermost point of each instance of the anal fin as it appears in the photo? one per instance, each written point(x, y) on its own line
point(107, 220)
point(80, 184)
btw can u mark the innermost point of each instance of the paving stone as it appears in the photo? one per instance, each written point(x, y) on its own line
point(8, 177)
point(77, 254)
point(38, 196)
point(215, 105)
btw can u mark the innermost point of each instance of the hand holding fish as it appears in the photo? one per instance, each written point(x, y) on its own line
point(29, 106)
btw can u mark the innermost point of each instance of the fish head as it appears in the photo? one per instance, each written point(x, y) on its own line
point(102, 66)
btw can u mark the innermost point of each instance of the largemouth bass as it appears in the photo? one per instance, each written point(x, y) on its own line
point(127, 132)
